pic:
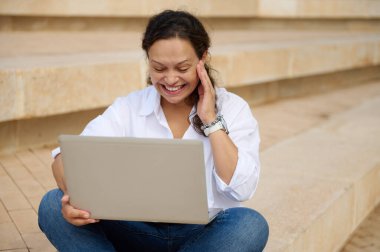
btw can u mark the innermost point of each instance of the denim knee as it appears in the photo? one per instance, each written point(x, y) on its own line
point(50, 208)
point(257, 220)
point(253, 222)
point(248, 214)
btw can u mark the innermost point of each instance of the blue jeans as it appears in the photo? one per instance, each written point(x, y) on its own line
point(235, 229)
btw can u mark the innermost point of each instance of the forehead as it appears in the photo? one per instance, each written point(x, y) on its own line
point(168, 51)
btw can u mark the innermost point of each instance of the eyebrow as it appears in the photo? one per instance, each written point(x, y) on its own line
point(179, 63)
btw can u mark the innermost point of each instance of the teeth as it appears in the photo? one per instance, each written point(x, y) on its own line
point(172, 89)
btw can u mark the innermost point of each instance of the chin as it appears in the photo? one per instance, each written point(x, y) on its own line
point(173, 100)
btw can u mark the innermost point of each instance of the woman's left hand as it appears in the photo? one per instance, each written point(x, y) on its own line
point(206, 103)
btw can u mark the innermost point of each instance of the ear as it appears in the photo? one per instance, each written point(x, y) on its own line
point(204, 56)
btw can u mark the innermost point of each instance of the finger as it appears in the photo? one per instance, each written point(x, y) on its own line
point(207, 79)
point(201, 72)
point(65, 199)
point(203, 75)
point(77, 217)
point(65, 205)
point(201, 90)
point(79, 214)
point(71, 212)
point(81, 222)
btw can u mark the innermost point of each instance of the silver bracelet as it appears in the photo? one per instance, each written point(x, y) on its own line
point(218, 119)
point(217, 124)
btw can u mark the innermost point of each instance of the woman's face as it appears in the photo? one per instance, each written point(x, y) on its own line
point(172, 69)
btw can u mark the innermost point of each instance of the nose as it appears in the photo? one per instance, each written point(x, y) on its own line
point(171, 79)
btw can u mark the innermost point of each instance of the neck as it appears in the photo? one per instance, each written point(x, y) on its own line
point(179, 108)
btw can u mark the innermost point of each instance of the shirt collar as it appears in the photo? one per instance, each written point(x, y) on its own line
point(151, 102)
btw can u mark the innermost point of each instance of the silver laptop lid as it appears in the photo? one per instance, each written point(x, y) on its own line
point(137, 179)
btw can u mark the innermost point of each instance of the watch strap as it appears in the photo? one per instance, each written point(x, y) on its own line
point(217, 126)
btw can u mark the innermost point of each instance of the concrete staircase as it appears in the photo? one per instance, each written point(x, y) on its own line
point(54, 53)
point(62, 62)
point(320, 178)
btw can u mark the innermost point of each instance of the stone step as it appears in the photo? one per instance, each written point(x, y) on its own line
point(43, 74)
point(107, 24)
point(212, 8)
point(132, 15)
point(317, 187)
point(367, 236)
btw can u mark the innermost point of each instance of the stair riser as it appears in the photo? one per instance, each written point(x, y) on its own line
point(40, 131)
point(107, 24)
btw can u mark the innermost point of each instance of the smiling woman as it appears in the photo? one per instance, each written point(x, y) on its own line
point(179, 34)
point(181, 102)
point(173, 70)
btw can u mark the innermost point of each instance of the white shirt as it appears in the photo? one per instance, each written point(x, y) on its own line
point(140, 115)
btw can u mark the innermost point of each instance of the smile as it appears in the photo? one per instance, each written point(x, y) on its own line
point(173, 90)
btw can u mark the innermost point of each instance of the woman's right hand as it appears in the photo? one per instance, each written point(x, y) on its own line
point(75, 216)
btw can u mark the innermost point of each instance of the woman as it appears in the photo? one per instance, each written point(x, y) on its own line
point(181, 102)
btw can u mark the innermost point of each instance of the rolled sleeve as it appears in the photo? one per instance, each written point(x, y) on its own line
point(244, 133)
point(55, 152)
point(244, 181)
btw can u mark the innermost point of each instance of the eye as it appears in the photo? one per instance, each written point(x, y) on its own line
point(159, 69)
point(182, 70)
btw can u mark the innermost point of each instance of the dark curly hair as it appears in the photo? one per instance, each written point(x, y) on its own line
point(180, 24)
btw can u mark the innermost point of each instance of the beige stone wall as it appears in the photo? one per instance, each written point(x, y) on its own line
point(212, 8)
point(42, 131)
point(44, 91)
point(37, 85)
point(319, 8)
point(127, 15)
point(127, 24)
point(123, 8)
point(59, 57)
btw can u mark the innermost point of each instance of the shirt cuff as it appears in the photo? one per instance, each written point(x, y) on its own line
point(55, 152)
point(243, 182)
point(221, 184)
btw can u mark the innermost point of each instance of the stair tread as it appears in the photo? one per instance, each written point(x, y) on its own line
point(32, 49)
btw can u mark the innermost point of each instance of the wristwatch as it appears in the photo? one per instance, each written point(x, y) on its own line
point(217, 124)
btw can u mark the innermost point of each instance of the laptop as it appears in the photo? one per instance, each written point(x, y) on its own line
point(137, 179)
